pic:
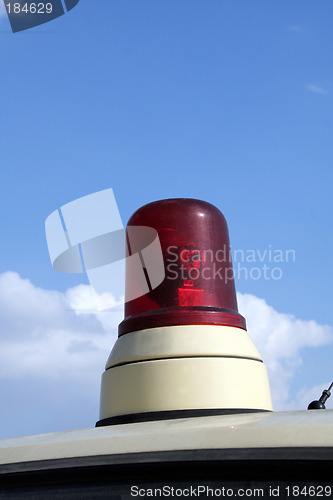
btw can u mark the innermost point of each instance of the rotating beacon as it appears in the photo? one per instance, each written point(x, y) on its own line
point(182, 349)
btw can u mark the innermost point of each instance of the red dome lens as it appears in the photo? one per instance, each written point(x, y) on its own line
point(198, 287)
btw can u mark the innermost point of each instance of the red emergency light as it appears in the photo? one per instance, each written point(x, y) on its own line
point(182, 349)
point(198, 287)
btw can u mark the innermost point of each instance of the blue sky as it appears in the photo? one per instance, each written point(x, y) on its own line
point(229, 102)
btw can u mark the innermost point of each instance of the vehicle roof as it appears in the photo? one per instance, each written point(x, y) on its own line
point(234, 431)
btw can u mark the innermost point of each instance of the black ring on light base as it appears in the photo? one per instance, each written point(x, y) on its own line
point(172, 414)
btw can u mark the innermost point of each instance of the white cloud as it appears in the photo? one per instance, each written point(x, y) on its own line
point(316, 89)
point(280, 339)
point(43, 336)
point(52, 358)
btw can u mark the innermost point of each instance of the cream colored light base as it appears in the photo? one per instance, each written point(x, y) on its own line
point(184, 367)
